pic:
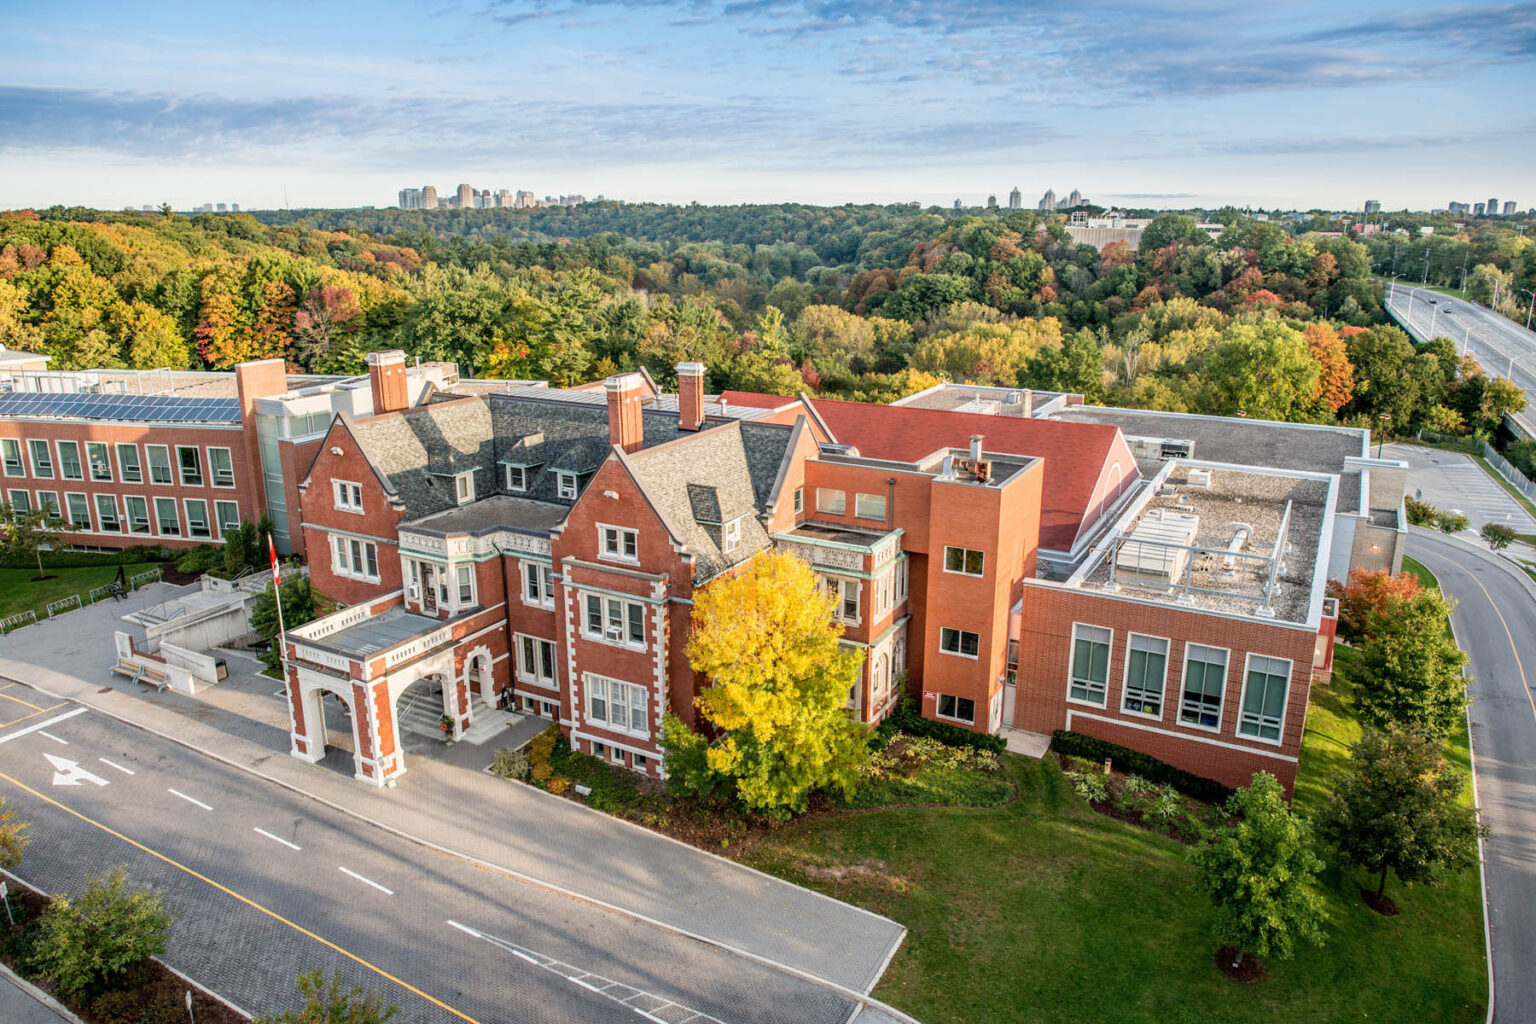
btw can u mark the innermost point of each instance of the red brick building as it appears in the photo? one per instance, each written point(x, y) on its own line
point(537, 550)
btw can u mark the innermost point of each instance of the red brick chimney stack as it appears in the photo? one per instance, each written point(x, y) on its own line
point(690, 395)
point(386, 374)
point(626, 402)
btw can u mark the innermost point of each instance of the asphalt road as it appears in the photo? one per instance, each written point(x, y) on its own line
point(1502, 346)
point(1495, 623)
point(266, 885)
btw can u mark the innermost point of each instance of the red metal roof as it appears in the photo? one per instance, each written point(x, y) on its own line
point(1074, 457)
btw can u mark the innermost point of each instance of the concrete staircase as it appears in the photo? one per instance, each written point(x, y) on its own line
point(490, 724)
point(421, 714)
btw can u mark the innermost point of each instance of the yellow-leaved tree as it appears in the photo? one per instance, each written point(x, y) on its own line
point(778, 685)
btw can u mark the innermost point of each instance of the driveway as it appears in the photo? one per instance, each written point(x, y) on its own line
point(449, 804)
point(1495, 623)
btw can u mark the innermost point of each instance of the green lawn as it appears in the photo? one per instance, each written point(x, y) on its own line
point(20, 589)
point(1042, 910)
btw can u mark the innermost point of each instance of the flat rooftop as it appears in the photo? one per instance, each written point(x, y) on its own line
point(388, 629)
point(814, 532)
point(978, 398)
point(1196, 574)
point(496, 511)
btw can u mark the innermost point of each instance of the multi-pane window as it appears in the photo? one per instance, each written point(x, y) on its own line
point(167, 519)
point(191, 464)
point(960, 709)
point(42, 459)
point(101, 463)
point(466, 580)
point(1146, 667)
point(869, 506)
point(21, 502)
point(966, 561)
point(619, 706)
point(349, 496)
point(159, 463)
point(138, 513)
point(799, 500)
point(959, 641)
point(128, 464)
point(538, 584)
point(106, 513)
point(831, 501)
point(620, 543)
point(1090, 663)
point(197, 519)
point(79, 511)
point(517, 477)
point(536, 660)
point(847, 594)
point(69, 461)
point(50, 501)
point(10, 449)
point(1205, 681)
point(228, 514)
point(356, 558)
point(1264, 693)
point(464, 488)
point(222, 465)
point(903, 569)
point(730, 536)
point(565, 485)
point(614, 620)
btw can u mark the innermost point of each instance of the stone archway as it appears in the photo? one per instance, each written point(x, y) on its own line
point(310, 737)
point(479, 683)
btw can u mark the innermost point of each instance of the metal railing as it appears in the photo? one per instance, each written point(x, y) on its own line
point(1517, 479)
point(18, 620)
point(63, 604)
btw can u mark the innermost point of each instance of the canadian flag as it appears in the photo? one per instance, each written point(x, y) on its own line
point(277, 576)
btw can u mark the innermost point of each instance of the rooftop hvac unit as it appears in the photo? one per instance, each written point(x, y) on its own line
point(1161, 448)
point(1176, 450)
point(1199, 478)
point(1157, 550)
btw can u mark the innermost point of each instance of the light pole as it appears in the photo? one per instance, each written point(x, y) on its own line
point(1531, 308)
point(1432, 318)
point(1385, 419)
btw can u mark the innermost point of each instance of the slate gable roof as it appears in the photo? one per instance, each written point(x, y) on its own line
point(415, 448)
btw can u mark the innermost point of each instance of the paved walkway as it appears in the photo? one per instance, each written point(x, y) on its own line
point(18, 1006)
point(446, 799)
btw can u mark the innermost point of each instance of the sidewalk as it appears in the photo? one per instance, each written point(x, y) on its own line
point(20, 1005)
point(446, 799)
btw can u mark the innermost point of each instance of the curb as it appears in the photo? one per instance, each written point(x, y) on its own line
point(852, 995)
point(36, 993)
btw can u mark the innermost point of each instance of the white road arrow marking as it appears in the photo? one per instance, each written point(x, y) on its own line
point(69, 773)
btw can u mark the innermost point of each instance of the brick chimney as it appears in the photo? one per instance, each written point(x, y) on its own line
point(386, 374)
point(626, 400)
point(690, 396)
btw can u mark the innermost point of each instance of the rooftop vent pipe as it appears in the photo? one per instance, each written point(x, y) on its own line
point(1240, 534)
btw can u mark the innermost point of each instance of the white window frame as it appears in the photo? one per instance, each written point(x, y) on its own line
point(618, 544)
point(207, 520)
point(464, 488)
point(825, 502)
point(616, 755)
point(799, 500)
point(21, 460)
point(459, 582)
point(938, 703)
point(79, 460)
point(106, 462)
point(343, 559)
point(606, 617)
point(181, 469)
point(960, 635)
point(159, 519)
point(965, 554)
point(1072, 666)
point(46, 498)
point(218, 516)
point(1226, 671)
point(33, 444)
point(530, 647)
point(348, 496)
point(25, 505)
point(861, 499)
point(1125, 676)
point(1242, 699)
point(903, 571)
point(520, 483)
point(149, 464)
point(730, 536)
point(566, 485)
point(601, 688)
point(137, 476)
point(69, 511)
point(537, 577)
point(213, 469)
point(101, 519)
point(128, 500)
point(840, 588)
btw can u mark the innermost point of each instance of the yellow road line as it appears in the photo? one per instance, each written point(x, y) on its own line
point(18, 700)
point(1525, 685)
point(23, 718)
point(243, 899)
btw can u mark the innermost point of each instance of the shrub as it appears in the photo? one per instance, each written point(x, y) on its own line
point(1420, 513)
point(1451, 522)
point(86, 944)
point(558, 784)
point(331, 1004)
point(541, 772)
point(1128, 760)
point(1091, 784)
point(66, 558)
point(1497, 535)
point(542, 747)
point(908, 719)
point(510, 764)
point(1167, 807)
point(199, 559)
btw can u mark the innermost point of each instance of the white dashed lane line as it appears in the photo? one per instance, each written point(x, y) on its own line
point(367, 881)
point(188, 799)
point(277, 839)
point(114, 764)
point(52, 737)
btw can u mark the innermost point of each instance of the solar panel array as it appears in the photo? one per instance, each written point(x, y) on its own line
point(141, 408)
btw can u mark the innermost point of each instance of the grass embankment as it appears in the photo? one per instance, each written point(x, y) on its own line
point(20, 589)
point(1042, 910)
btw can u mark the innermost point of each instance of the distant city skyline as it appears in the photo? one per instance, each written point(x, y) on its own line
point(815, 101)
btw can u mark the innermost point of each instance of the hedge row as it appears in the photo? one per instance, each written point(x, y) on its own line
point(1075, 744)
point(906, 718)
point(67, 559)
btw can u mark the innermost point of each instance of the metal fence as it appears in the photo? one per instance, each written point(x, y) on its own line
point(1521, 482)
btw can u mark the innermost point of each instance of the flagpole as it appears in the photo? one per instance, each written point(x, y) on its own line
point(277, 593)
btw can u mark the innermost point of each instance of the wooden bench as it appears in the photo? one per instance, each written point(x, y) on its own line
point(146, 674)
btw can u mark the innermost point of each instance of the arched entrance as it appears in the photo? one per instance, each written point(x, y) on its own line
point(423, 705)
point(478, 680)
point(325, 723)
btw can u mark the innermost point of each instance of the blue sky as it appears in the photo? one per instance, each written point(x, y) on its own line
point(1157, 103)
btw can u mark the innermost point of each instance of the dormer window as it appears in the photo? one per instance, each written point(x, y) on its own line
point(565, 485)
point(517, 478)
point(730, 537)
point(464, 488)
point(619, 543)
